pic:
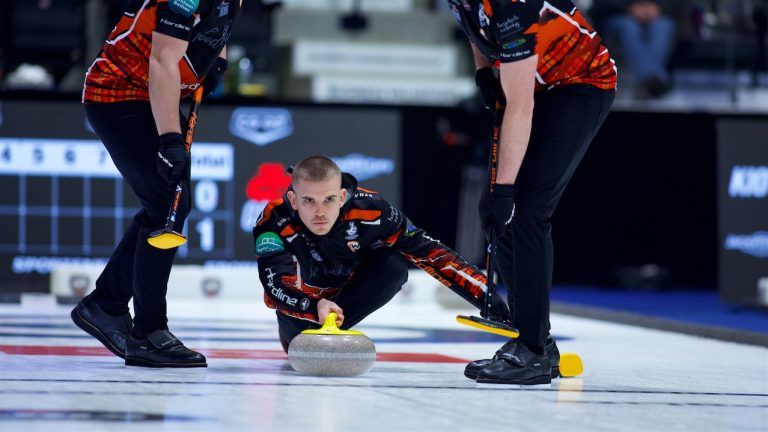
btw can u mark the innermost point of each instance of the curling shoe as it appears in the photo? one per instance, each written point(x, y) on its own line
point(110, 330)
point(161, 349)
point(553, 353)
point(517, 365)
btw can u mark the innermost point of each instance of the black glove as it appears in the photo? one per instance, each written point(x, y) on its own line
point(172, 158)
point(490, 88)
point(214, 75)
point(498, 208)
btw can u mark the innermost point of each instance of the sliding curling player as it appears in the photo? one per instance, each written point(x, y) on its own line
point(329, 246)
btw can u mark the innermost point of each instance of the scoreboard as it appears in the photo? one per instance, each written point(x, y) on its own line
point(63, 201)
point(66, 197)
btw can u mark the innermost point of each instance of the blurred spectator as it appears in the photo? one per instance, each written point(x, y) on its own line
point(645, 35)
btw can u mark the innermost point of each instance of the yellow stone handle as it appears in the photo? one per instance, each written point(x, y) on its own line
point(330, 328)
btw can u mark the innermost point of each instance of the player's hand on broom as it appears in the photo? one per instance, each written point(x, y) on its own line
point(497, 208)
point(172, 158)
point(324, 307)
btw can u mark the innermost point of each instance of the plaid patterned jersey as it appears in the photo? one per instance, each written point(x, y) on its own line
point(569, 50)
point(121, 71)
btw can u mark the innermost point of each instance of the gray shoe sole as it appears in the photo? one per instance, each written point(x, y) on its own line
point(554, 374)
point(142, 362)
point(543, 379)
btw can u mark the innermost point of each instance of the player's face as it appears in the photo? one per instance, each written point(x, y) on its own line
point(318, 203)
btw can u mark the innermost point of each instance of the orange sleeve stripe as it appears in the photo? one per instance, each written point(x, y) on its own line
point(393, 238)
point(268, 210)
point(366, 215)
point(287, 231)
point(371, 191)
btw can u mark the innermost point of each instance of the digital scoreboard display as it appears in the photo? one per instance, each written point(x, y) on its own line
point(63, 201)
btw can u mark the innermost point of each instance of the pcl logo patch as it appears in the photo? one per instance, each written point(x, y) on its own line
point(261, 126)
point(267, 244)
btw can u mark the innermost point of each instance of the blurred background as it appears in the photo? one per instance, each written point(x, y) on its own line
point(671, 201)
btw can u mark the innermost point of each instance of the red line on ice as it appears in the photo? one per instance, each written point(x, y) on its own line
point(220, 353)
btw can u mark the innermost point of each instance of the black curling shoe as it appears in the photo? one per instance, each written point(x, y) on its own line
point(161, 349)
point(517, 365)
point(110, 330)
point(473, 368)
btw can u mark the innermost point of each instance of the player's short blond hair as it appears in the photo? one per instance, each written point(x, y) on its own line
point(316, 169)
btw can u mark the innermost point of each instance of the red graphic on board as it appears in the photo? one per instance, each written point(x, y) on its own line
point(269, 183)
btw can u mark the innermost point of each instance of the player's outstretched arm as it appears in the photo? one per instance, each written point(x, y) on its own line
point(430, 255)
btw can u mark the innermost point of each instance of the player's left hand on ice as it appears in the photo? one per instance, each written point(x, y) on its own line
point(497, 208)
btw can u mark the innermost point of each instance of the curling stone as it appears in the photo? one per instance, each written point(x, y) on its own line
point(329, 351)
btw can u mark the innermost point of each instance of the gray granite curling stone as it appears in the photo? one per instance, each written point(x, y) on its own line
point(331, 352)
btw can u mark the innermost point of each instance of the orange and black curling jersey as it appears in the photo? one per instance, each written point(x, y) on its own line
point(569, 49)
point(298, 268)
point(121, 70)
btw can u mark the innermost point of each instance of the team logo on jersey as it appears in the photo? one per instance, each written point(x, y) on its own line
point(223, 8)
point(267, 244)
point(484, 21)
point(351, 232)
point(509, 25)
point(514, 43)
point(315, 255)
point(261, 126)
point(410, 228)
point(354, 246)
point(394, 214)
point(304, 304)
point(214, 37)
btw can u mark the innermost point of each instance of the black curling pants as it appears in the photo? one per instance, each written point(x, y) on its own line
point(377, 280)
point(136, 269)
point(565, 120)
